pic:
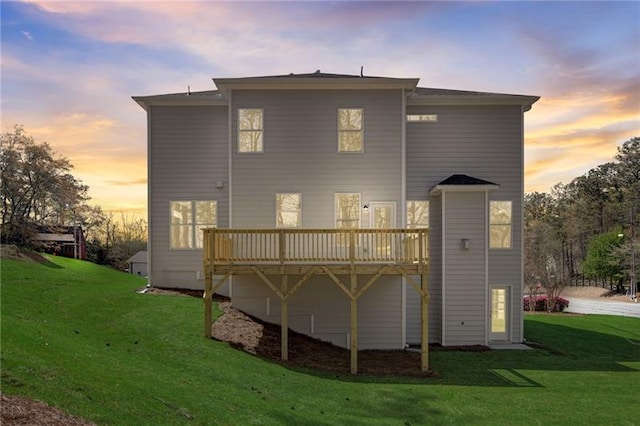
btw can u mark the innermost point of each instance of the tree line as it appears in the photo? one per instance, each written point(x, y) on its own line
point(586, 229)
point(39, 190)
point(581, 229)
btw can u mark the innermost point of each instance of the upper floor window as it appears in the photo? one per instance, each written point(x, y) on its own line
point(422, 118)
point(188, 219)
point(417, 214)
point(500, 224)
point(288, 211)
point(350, 130)
point(250, 129)
point(347, 211)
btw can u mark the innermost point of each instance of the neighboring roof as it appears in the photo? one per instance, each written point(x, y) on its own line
point(54, 237)
point(139, 257)
point(463, 183)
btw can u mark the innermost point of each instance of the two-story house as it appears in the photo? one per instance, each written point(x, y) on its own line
point(288, 167)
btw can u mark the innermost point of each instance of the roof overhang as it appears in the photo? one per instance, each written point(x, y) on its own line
point(523, 100)
point(319, 83)
point(212, 98)
point(463, 183)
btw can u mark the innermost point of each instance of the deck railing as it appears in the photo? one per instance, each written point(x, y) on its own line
point(295, 246)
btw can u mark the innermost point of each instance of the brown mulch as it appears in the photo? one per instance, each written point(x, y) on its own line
point(19, 410)
point(263, 339)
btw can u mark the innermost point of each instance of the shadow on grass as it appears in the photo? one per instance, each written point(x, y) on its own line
point(557, 347)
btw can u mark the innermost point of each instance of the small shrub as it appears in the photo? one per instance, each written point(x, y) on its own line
point(541, 303)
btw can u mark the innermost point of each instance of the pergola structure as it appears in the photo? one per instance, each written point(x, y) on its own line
point(308, 252)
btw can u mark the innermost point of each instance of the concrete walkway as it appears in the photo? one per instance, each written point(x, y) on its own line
point(590, 306)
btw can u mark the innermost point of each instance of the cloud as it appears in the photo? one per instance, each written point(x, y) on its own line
point(27, 35)
point(134, 182)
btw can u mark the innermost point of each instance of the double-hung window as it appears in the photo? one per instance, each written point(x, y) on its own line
point(188, 219)
point(500, 224)
point(288, 210)
point(250, 129)
point(347, 211)
point(350, 130)
point(417, 214)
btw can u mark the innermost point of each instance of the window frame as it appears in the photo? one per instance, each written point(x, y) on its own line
point(418, 226)
point(359, 210)
point(194, 226)
point(299, 210)
point(343, 131)
point(241, 130)
point(493, 224)
point(419, 118)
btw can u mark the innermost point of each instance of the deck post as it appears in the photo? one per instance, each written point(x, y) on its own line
point(208, 302)
point(424, 326)
point(284, 321)
point(354, 303)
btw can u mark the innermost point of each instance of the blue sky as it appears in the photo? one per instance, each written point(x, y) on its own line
point(69, 69)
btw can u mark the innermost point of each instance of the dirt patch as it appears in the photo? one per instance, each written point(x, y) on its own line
point(9, 251)
point(19, 410)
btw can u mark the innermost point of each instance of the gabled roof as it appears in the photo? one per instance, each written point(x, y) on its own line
point(139, 257)
point(461, 182)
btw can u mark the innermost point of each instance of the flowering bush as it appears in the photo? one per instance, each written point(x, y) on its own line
point(541, 303)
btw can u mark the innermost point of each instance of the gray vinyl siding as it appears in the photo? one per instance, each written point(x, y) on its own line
point(188, 153)
point(301, 156)
point(464, 284)
point(480, 141)
point(434, 284)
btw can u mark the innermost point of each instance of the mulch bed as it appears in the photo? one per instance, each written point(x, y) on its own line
point(19, 410)
point(263, 339)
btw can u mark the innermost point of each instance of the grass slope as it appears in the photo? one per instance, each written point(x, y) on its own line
point(79, 337)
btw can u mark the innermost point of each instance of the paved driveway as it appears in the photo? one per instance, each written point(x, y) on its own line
point(589, 306)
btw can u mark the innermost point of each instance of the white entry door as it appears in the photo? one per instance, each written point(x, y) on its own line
point(499, 310)
point(383, 216)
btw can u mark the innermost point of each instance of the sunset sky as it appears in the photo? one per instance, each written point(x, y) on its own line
point(69, 69)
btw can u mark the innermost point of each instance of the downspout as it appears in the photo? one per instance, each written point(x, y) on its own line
point(149, 200)
point(403, 209)
point(519, 301)
point(230, 166)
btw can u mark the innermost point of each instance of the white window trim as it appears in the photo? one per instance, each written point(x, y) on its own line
point(299, 194)
point(239, 130)
point(422, 118)
point(361, 109)
point(510, 224)
point(192, 225)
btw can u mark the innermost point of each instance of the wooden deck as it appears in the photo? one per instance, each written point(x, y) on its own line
point(306, 252)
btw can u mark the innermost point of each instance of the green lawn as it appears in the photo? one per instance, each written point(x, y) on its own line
point(79, 337)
